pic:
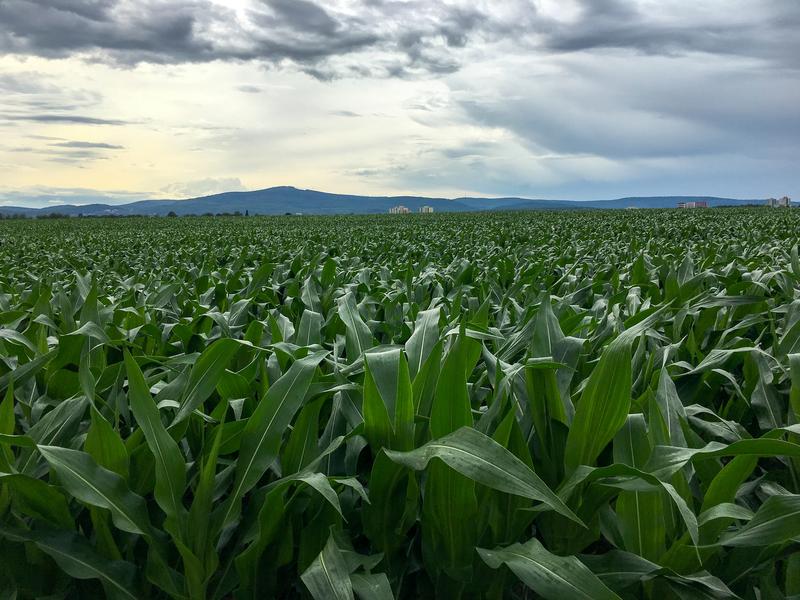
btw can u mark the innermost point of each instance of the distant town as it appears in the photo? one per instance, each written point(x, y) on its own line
point(404, 210)
point(784, 202)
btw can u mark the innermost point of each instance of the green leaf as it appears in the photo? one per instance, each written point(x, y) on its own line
point(170, 469)
point(606, 399)
point(310, 329)
point(388, 405)
point(316, 481)
point(668, 460)
point(776, 521)
point(374, 586)
point(55, 427)
point(205, 374)
point(629, 478)
point(451, 407)
point(7, 420)
point(198, 537)
point(262, 435)
point(621, 570)
point(79, 560)
point(550, 576)
point(16, 337)
point(358, 337)
point(105, 446)
point(38, 499)
point(327, 578)
point(303, 444)
point(422, 341)
point(393, 508)
point(27, 370)
point(484, 461)
point(640, 513)
point(94, 485)
point(725, 510)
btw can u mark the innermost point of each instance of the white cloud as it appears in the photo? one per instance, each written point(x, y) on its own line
point(203, 187)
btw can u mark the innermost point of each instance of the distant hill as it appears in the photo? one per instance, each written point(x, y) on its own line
point(280, 200)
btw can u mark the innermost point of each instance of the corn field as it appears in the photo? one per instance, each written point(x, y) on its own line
point(559, 405)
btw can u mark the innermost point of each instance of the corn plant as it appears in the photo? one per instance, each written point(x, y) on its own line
point(557, 405)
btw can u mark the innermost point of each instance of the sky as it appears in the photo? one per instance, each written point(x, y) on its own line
point(120, 100)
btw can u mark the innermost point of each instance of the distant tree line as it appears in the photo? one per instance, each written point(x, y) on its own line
point(58, 215)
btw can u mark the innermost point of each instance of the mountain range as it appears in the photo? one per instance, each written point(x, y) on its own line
point(287, 199)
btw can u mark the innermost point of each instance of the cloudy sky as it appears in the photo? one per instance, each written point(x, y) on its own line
point(584, 99)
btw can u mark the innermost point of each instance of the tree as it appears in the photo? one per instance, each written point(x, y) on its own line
point(172, 214)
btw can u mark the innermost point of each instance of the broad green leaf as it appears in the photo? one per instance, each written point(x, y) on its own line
point(621, 570)
point(483, 460)
point(359, 337)
point(27, 370)
point(550, 576)
point(170, 467)
point(303, 444)
point(35, 498)
point(77, 558)
point(105, 446)
point(7, 420)
point(629, 478)
point(388, 404)
point(776, 521)
point(725, 510)
point(640, 513)
point(204, 375)
point(327, 577)
point(374, 586)
point(261, 438)
point(667, 460)
point(94, 485)
point(53, 428)
point(422, 341)
point(310, 329)
point(606, 399)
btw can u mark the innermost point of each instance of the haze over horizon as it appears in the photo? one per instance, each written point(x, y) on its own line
point(116, 100)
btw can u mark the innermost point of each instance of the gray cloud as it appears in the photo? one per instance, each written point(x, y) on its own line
point(88, 145)
point(38, 196)
point(34, 98)
point(765, 30)
point(25, 83)
point(641, 107)
point(63, 154)
point(121, 30)
point(70, 118)
point(345, 113)
point(413, 36)
point(403, 38)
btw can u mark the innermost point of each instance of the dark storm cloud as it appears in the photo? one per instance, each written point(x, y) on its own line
point(404, 38)
point(418, 34)
point(124, 31)
point(766, 30)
